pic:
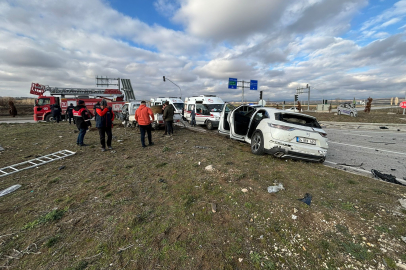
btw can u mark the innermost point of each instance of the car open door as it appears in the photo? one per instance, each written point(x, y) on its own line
point(224, 126)
point(239, 121)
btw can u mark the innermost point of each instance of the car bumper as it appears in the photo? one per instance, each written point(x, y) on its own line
point(282, 152)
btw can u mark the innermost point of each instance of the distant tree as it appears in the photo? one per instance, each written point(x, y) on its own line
point(329, 108)
point(368, 105)
point(299, 106)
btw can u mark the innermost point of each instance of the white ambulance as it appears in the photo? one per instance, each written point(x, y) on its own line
point(208, 109)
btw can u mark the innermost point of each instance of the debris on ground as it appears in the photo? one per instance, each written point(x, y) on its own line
point(386, 177)
point(307, 199)
point(209, 168)
point(9, 190)
point(213, 207)
point(62, 167)
point(201, 147)
point(383, 127)
point(244, 190)
point(276, 188)
point(403, 238)
point(1, 148)
point(402, 203)
point(294, 217)
point(350, 165)
point(162, 181)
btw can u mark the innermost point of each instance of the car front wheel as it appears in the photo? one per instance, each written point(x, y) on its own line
point(339, 112)
point(351, 114)
point(257, 143)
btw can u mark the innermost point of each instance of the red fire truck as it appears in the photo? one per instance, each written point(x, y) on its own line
point(42, 109)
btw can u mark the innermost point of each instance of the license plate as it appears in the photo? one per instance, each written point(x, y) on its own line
point(305, 140)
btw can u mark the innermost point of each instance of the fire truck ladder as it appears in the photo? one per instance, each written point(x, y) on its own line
point(84, 91)
point(35, 162)
point(128, 89)
point(39, 89)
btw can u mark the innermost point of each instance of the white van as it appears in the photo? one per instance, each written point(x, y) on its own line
point(208, 109)
point(176, 102)
point(128, 113)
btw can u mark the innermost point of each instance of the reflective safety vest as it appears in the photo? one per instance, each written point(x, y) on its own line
point(78, 113)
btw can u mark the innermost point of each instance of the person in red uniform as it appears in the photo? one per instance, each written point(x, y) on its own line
point(104, 123)
point(144, 118)
point(82, 119)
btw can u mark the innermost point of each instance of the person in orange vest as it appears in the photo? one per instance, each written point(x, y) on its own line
point(144, 118)
point(104, 123)
point(82, 119)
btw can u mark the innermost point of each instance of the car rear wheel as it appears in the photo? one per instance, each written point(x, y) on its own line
point(257, 143)
point(352, 114)
point(209, 125)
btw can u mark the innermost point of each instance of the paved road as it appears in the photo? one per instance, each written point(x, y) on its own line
point(382, 150)
point(16, 120)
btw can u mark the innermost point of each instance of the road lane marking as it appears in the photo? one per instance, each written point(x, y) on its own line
point(382, 150)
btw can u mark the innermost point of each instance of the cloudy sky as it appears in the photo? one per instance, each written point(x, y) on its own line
point(341, 48)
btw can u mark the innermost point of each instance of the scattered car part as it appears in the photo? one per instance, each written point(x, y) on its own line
point(9, 190)
point(307, 199)
point(386, 177)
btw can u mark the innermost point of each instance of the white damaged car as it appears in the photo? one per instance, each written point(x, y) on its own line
point(280, 133)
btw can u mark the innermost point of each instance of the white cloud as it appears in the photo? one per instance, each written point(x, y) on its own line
point(282, 44)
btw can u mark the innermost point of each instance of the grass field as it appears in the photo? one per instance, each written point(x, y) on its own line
point(151, 208)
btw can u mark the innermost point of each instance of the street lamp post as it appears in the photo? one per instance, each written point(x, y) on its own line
point(174, 84)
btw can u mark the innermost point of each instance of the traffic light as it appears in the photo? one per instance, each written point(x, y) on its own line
point(164, 78)
point(296, 97)
point(260, 94)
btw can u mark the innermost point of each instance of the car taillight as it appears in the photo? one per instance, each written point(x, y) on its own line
point(281, 127)
point(323, 134)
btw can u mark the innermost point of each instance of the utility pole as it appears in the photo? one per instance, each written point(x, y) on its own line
point(300, 91)
point(180, 90)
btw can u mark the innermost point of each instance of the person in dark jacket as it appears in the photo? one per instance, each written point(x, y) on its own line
point(97, 105)
point(69, 113)
point(169, 111)
point(82, 118)
point(193, 117)
point(56, 112)
point(104, 123)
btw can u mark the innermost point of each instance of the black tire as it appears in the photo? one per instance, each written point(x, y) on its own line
point(352, 114)
point(49, 118)
point(209, 125)
point(339, 112)
point(257, 143)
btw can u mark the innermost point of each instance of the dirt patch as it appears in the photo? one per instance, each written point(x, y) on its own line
point(135, 208)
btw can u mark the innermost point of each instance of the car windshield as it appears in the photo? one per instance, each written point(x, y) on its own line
point(178, 106)
point(214, 107)
point(301, 120)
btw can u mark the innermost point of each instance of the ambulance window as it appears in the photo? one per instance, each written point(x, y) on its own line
point(200, 108)
point(191, 106)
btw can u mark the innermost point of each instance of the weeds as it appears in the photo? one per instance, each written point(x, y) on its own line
point(54, 215)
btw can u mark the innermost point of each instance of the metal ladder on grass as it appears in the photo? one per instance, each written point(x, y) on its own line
point(35, 162)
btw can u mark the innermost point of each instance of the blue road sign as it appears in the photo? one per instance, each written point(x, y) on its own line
point(232, 83)
point(253, 85)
